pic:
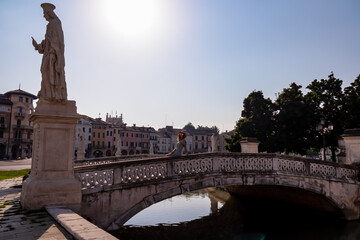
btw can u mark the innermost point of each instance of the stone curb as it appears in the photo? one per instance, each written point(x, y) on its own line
point(76, 225)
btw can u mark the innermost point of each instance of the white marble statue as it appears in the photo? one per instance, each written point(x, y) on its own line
point(118, 149)
point(151, 150)
point(81, 143)
point(53, 85)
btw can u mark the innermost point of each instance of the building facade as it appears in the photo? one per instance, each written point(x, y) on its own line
point(15, 127)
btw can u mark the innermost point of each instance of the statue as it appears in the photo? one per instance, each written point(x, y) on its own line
point(151, 150)
point(53, 85)
point(81, 150)
point(118, 150)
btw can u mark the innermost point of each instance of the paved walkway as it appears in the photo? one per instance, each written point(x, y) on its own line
point(16, 223)
point(7, 165)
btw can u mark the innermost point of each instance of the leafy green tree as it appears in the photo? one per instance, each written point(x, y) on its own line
point(293, 120)
point(256, 121)
point(326, 98)
point(189, 127)
point(214, 129)
point(352, 105)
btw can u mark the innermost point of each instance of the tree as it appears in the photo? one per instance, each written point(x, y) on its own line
point(256, 121)
point(189, 127)
point(293, 120)
point(326, 98)
point(352, 105)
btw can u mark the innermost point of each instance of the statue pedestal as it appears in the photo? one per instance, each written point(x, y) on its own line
point(52, 180)
point(249, 145)
point(352, 146)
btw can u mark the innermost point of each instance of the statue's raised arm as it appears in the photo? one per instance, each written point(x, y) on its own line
point(53, 85)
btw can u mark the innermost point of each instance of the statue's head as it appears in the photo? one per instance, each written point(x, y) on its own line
point(48, 9)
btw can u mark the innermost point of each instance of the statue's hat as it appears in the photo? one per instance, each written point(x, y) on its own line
point(47, 7)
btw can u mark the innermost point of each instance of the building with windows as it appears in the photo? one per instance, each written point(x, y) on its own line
point(15, 128)
point(99, 131)
point(202, 140)
point(84, 128)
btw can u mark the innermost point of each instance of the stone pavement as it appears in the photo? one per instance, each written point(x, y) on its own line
point(16, 223)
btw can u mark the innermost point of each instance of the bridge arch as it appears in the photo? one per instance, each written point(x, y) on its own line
point(326, 203)
point(120, 190)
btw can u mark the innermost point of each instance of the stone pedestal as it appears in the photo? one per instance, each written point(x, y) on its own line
point(351, 139)
point(249, 145)
point(52, 180)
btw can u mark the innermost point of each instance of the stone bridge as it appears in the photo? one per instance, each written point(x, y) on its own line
point(113, 192)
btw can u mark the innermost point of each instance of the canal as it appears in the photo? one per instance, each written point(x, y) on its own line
point(214, 214)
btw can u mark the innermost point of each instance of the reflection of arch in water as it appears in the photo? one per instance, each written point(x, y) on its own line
point(325, 203)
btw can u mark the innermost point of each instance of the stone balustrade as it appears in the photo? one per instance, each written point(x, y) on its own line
point(123, 174)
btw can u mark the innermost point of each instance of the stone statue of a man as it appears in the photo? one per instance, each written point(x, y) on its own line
point(53, 85)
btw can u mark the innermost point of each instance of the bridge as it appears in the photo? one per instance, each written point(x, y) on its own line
point(113, 190)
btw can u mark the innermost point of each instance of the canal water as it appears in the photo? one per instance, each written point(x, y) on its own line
point(214, 214)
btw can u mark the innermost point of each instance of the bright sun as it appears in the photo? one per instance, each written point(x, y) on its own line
point(132, 19)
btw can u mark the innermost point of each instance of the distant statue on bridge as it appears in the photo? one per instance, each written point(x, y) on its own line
point(118, 148)
point(53, 85)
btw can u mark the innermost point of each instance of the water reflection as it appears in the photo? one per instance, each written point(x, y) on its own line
point(214, 215)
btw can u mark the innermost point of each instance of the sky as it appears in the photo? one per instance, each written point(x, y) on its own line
point(171, 62)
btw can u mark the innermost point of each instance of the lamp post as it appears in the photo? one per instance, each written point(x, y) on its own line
point(324, 128)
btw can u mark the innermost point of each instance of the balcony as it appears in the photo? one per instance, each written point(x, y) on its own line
point(22, 127)
point(19, 115)
point(21, 140)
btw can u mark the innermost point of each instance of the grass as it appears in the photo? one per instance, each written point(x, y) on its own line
point(13, 174)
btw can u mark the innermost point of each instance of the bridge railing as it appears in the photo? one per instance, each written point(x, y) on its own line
point(111, 159)
point(127, 173)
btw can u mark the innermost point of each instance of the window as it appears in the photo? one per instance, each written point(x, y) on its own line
point(132, 135)
point(1, 134)
point(27, 100)
point(17, 135)
point(109, 144)
point(94, 136)
point(2, 120)
point(103, 135)
point(98, 135)
point(107, 133)
point(202, 138)
point(19, 109)
point(20, 99)
point(18, 123)
point(89, 130)
point(3, 108)
point(89, 138)
point(136, 135)
point(83, 129)
point(111, 134)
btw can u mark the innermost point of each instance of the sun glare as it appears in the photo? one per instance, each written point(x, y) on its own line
point(132, 19)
